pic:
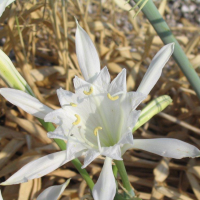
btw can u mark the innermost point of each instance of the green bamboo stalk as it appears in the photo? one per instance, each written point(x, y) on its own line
point(162, 29)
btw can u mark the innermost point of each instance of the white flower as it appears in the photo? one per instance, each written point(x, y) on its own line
point(97, 119)
point(4, 4)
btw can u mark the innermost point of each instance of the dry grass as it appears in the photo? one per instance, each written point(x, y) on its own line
point(44, 53)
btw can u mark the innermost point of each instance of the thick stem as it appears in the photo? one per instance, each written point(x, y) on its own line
point(162, 29)
point(123, 174)
point(49, 127)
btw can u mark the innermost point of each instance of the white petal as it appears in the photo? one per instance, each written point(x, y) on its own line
point(59, 133)
point(80, 85)
point(167, 147)
point(66, 97)
point(74, 146)
point(134, 98)
point(133, 118)
point(155, 69)
point(127, 139)
point(126, 142)
point(26, 102)
point(105, 187)
point(113, 152)
point(91, 154)
point(118, 85)
point(1, 198)
point(40, 167)
point(53, 192)
point(103, 80)
point(87, 55)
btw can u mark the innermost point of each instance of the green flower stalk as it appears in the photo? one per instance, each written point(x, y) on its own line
point(152, 108)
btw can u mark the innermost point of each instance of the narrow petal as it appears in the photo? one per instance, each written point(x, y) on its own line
point(53, 192)
point(105, 187)
point(26, 102)
point(80, 86)
point(167, 147)
point(103, 80)
point(87, 55)
point(155, 69)
point(113, 152)
point(118, 85)
point(59, 133)
point(40, 167)
point(74, 146)
point(66, 97)
point(91, 154)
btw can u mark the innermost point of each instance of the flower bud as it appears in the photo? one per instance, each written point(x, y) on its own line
point(152, 108)
point(11, 76)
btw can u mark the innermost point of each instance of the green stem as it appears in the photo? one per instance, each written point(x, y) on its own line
point(162, 29)
point(49, 127)
point(123, 174)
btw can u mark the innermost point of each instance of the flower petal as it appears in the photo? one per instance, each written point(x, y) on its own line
point(113, 152)
point(167, 147)
point(40, 167)
point(91, 154)
point(53, 192)
point(118, 85)
point(81, 85)
point(26, 102)
point(66, 97)
point(155, 69)
point(103, 80)
point(87, 55)
point(105, 187)
point(74, 146)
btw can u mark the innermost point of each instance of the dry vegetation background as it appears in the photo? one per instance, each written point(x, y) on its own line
point(43, 50)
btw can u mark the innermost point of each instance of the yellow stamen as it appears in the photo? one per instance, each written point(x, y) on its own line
point(90, 91)
point(78, 120)
point(96, 129)
point(112, 98)
point(73, 104)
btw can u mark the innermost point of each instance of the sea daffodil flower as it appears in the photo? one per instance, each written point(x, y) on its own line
point(97, 119)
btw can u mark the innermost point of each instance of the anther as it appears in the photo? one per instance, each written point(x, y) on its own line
point(90, 91)
point(78, 120)
point(112, 98)
point(73, 104)
point(96, 130)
